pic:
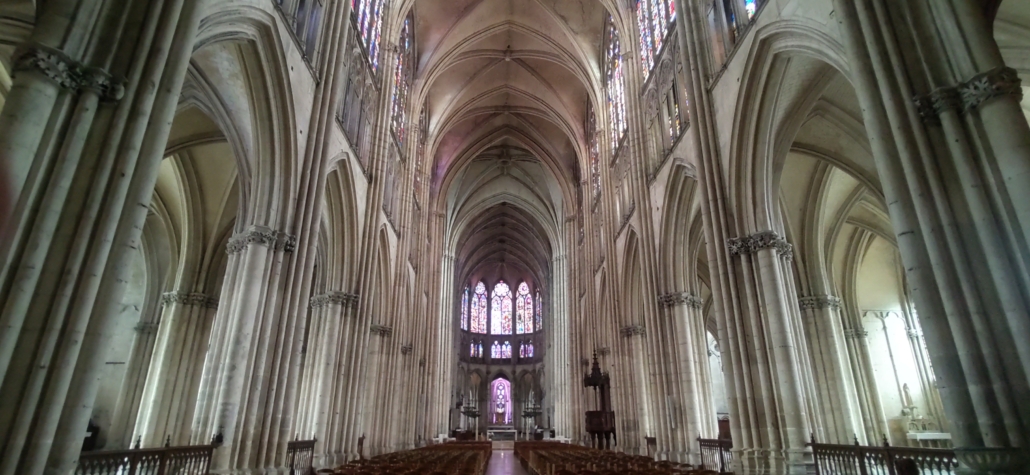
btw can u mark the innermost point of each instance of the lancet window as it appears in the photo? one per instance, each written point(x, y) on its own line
point(305, 16)
point(653, 20)
point(615, 84)
point(368, 17)
point(595, 155)
point(524, 310)
point(403, 76)
point(751, 6)
point(500, 310)
point(465, 309)
point(526, 350)
point(478, 309)
point(539, 312)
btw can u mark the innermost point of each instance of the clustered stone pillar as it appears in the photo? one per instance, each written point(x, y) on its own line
point(955, 167)
point(325, 373)
point(169, 397)
point(84, 129)
point(840, 421)
point(237, 383)
point(764, 350)
point(694, 409)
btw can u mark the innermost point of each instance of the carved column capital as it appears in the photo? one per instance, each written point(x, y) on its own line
point(407, 349)
point(855, 333)
point(343, 299)
point(263, 236)
point(1001, 81)
point(192, 299)
point(819, 302)
point(381, 330)
point(759, 241)
point(675, 299)
point(630, 331)
point(603, 351)
point(67, 73)
point(969, 95)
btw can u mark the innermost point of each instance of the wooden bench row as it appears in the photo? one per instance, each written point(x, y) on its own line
point(552, 458)
point(453, 458)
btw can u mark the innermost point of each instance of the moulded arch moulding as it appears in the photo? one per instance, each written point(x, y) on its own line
point(759, 138)
point(274, 175)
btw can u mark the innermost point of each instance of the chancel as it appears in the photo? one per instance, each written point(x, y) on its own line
point(759, 237)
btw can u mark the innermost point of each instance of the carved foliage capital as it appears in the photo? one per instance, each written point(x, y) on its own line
point(343, 299)
point(1002, 81)
point(263, 236)
point(819, 302)
point(759, 241)
point(67, 73)
point(192, 299)
point(970, 95)
point(676, 299)
point(381, 330)
point(407, 349)
point(855, 333)
point(630, 331)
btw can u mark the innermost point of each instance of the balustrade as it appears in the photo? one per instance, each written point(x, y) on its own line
point(184, 460)
point(716, 454)
point(299, 455)
point(840, 459)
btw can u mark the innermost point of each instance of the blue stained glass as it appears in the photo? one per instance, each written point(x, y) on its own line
point(478, 309)
point(751, 7)
point(524, 310)
point(465, 309)
point(539, 312)
point(500, 310)
point(615, 86)
point(369, 18)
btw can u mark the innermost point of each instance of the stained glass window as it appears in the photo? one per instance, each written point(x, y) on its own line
point(368, 15)
point(526, 350)
point(595, 155)
point(465, 309)
point(478, 309)
point(500, 404)
point(506, 350)
point(402, 81)
point(500, 310)
point(472, 350)
point(615, 85)
point(752, 7)
point(539, 312)
point(495, 350)
point(673, 110)
point(523, 310)
point(653, 20)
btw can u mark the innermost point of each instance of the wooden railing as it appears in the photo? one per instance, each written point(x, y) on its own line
point(716, 455)
point(299, 455)
point(185, 460)
point(834, 459)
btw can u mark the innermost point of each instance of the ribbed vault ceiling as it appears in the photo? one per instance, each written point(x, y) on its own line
point(507, 83)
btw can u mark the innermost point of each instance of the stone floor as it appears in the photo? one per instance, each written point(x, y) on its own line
point(504, 462)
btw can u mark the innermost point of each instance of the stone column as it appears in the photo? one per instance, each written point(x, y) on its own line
point(835, 385)
point(867, 392)
point(245, 327)
point(955, 168)
point(695, 418)
point(765, 349)
point(169, 397)
point(84, 130)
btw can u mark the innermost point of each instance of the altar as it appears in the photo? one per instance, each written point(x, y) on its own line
point(501, 433)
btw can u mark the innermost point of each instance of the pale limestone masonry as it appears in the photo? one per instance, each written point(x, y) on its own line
point(256, 220)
